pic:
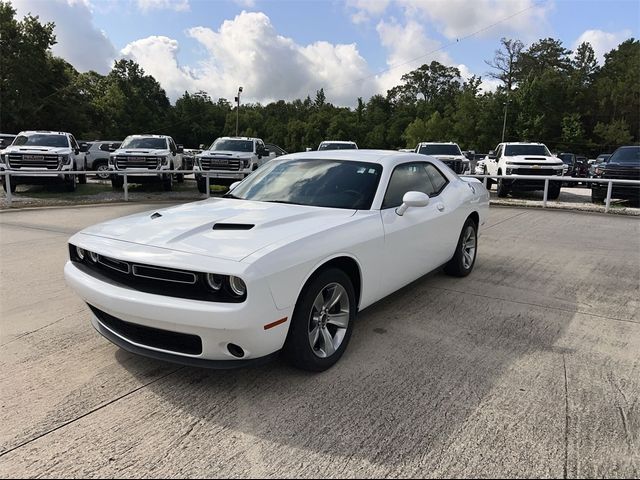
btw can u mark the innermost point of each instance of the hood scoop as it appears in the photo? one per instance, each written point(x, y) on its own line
point(537, 159)
point(156, 215)
point(233, 226)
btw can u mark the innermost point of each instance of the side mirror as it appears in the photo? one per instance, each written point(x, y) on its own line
point(201, 146)
point(492, 155)
point(234, 185)
point(412, 199)
point(180, 148)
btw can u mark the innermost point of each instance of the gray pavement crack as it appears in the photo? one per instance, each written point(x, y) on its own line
point(94, 410)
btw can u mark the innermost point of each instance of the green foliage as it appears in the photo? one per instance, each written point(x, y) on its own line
point(564, 99)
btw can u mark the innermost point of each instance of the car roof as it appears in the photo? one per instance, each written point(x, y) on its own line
point(523, 143)
point(148, 135)
point(437, 143)
point(45, 132)
point(338, 141)
point(382, 157)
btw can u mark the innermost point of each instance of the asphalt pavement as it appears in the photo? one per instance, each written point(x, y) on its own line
point(529, 367)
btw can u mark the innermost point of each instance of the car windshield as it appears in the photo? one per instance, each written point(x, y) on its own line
point(42, 140)
point(439, 150)
point(337, 146)
point(626, 155)
point(566, 157)
point(513, 150)
point(232, 145)
point(145, 142)
point(314, 182)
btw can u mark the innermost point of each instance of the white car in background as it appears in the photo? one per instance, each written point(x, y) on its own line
point(281, 263)
point(447, 152)
point(337, 145)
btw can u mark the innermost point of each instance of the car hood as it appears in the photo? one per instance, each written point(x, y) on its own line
point(33, 149)
point(141, 151)
point(222, 228)
point(533, 159)
point(225, 154)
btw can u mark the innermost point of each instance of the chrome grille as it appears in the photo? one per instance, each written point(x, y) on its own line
point(213, 163)
point(455, 165)
point(18, 160)
point(125, 162)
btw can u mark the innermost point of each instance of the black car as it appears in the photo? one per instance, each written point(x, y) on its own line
point(624, 164)
point(6, 139)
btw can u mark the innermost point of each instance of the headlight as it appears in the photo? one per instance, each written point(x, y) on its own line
point(164, 161)
point(214, 281)
point(80, 252)
point(509, 170)
point(64, 159)
point(93, 257)
point(237, 286)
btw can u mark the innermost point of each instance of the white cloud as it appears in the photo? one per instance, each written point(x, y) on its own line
point(248, 51)
point(366, 9)
point(407, 47)
point(602, 42)
point(487, 84)
point(246, 3)
point(79, 41)
point(176, 5)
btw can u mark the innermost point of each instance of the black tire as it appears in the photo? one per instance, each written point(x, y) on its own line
point(180, 178)
point(597, 196)
point(502, 188)
point(102, 170)
point(167, 182)
point(202, 185)
point(117, 181)
point(554, 190)
point(82, 179)
point(459, 266)
point(297, 348)
point(71, 182)
point(13, 186)
point(489, 183)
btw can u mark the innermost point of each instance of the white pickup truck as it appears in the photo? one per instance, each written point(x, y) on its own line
point(230, 159)
point(140, 155)
point(448, 153)
point(519, 158)
point(55, 152)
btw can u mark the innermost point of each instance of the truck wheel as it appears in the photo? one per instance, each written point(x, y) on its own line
point(597, 195)
point(117, 182)
point(180, 178)
point(71, 183)
point(13, 186)
point(554, 190)
point(202, 185)
point(489, 183)
point(102, 170)
point(503, 189)
point(82, 179)
point(167, 182)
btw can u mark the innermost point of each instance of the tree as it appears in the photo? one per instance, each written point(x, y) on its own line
point(505, 61)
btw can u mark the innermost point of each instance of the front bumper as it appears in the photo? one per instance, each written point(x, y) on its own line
point(232, 175)
point(42, 178)
point(216, 324)
point(618, 191)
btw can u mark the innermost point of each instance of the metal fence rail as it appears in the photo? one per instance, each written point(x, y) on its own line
point(209, 175)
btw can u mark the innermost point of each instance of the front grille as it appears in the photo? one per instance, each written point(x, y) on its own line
point(17, 161)
point(455, 165)
point(622, 173)
point(150, 337)
point(227, 164)
point(168, 282)
point(534, 171)
point(150, 163)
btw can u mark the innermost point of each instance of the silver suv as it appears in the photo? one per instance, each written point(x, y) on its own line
point(97, 156)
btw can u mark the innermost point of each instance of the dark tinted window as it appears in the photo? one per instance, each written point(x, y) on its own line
point(42, 140)
point(440, 150)
point(513, 150)
point(320, 183)
point(105, 146)
point(413, 177)
point(145, 142)
point(566, 157)
point(626, 155)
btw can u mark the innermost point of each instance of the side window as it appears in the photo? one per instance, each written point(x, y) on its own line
point(499, 152)
point(438, 180)
point(172, 146)
point(104, 147)
point(260, 146)
point(74, 144)
point(409, 177)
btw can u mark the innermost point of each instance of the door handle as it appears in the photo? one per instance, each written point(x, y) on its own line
point(440, 207)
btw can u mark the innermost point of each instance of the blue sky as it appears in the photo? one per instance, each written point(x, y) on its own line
point(288, 49)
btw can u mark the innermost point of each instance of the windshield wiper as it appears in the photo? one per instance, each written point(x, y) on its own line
point(231, 195)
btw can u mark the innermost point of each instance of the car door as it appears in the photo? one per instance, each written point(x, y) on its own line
point(492, 163)
point(421, 239)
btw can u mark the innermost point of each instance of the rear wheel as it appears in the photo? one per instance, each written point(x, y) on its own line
point(465, 257)
point(322, 322)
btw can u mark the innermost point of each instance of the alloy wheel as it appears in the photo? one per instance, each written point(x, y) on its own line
point(329, 320)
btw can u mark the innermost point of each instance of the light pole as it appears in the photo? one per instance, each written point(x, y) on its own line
point(504, 122)
point(238, 109)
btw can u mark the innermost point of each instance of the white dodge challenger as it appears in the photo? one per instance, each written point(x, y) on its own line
point(282, 263)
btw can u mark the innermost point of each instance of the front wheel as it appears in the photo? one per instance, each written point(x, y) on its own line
point(465, 257)
point(167, 182)
point(322, 322)
point(117, 181)
point(503, 188)
point(202, 185)
point(554, 190)
point(597, 196)
point(71, 183)
point(13, 186)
